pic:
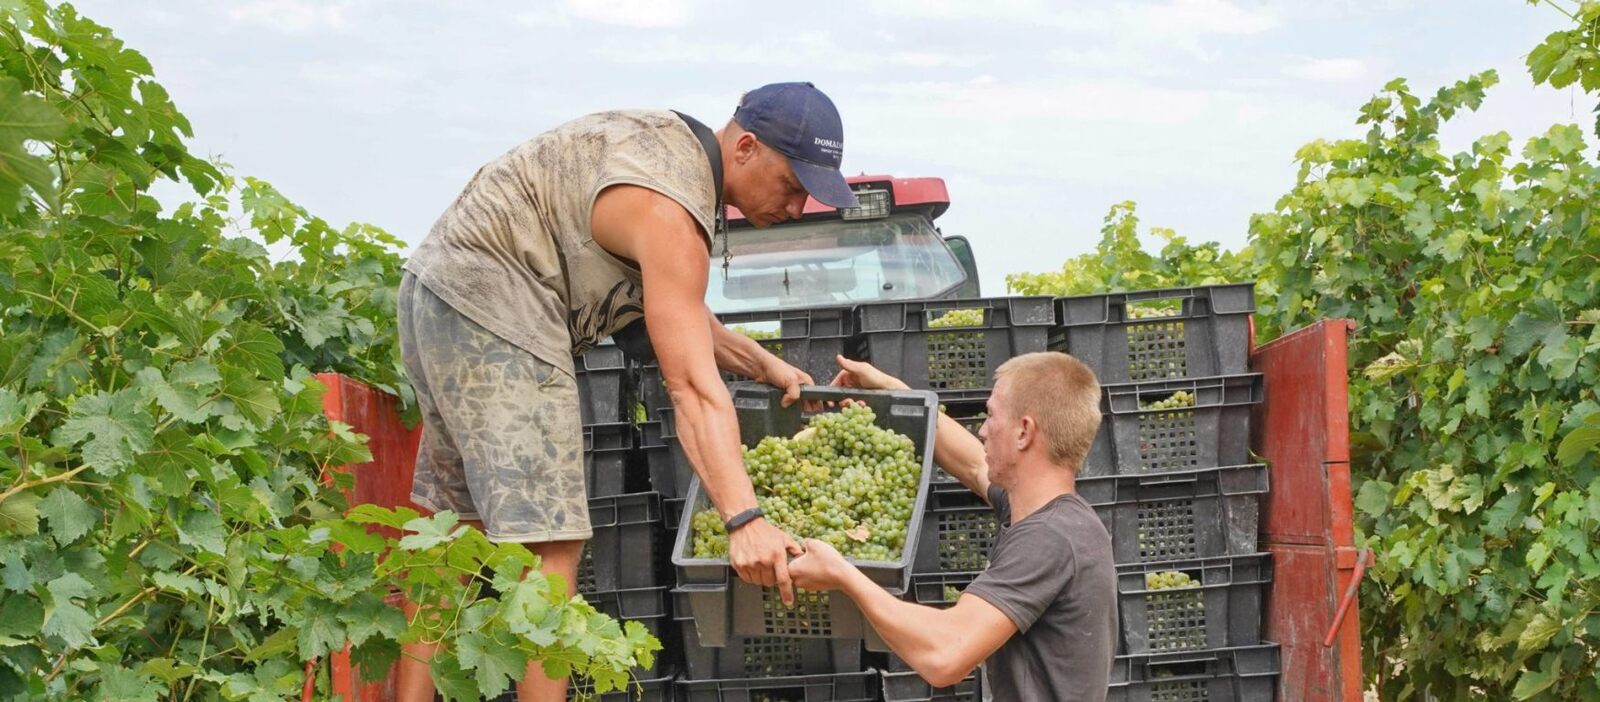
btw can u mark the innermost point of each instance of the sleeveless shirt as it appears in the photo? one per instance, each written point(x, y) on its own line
point(514, 252)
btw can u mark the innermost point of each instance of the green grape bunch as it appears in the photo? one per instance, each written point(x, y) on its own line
point(957, 318)
point(1153, 311)
point(843, 480)
point(1178, 400)
point(1168, 580)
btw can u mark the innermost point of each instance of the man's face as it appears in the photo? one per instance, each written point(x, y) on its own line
point(999, 434)
point(765, 188)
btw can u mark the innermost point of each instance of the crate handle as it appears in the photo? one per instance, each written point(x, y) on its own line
point(1349, 597)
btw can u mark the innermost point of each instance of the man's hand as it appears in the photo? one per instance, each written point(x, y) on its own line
point(821, 569)
point(860, 374)
point(779, 374)
point(759, 553)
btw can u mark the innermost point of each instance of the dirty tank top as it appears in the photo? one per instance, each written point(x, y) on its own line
point(514, 252)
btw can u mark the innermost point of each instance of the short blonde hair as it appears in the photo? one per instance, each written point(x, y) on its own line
point(1062, 396)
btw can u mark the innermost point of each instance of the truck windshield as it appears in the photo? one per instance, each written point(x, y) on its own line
point(834, 262)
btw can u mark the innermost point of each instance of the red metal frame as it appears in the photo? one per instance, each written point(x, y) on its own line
point(1302, 428)
point(386, 482)
point(906, 192)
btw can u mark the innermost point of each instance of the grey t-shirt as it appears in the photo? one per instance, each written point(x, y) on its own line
point(1052, 574)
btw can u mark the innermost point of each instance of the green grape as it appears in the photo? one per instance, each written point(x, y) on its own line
point(843, 480)
point(957, 318)
point(951, 593)
point(1178, 400)
point(752, 333)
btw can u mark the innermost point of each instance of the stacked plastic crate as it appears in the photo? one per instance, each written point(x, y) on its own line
point(953, 348)
point(740, 641)
point(1171, 477)
point(623, 571)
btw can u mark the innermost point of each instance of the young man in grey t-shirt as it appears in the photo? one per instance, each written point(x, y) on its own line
point(1044, 613)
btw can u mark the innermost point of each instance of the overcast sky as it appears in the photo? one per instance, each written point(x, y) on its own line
point(1038, 115)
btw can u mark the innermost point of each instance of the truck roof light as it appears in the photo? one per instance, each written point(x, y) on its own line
point(873, 204)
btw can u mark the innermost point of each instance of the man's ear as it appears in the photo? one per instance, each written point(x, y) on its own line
point(1027, 433)
point(745, 148)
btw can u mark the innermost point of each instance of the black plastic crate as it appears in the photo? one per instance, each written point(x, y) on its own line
point(670, 470)
point(1222, 607)
point(808, 339)
point(1158, 334)
point(652, 690)
point(940, 589)
point(722, 605)
point(958, 528)
point(652, 390)
point(905, 685)
point(957, 362)
point(832, 687)
point(1197, 514)
point(1240, 674)
point(628, 545)
point(1137, 439)
point(604, 381)
point(762, 656)
point(606, 448)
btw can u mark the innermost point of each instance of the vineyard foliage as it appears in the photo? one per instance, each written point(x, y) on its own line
point(1474, 278)
point(170, 523)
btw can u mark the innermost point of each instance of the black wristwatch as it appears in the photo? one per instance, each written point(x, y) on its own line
point(743, 518)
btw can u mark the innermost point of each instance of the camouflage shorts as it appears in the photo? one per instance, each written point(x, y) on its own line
point(501, 439)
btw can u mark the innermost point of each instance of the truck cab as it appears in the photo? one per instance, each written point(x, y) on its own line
point(886, 249)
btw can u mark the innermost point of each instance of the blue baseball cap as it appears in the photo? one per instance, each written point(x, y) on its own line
point(801, 123)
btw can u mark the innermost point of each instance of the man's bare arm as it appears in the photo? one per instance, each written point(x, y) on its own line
point(942, 645)
point(655, 231)
point(960, 454)
point(737, 353)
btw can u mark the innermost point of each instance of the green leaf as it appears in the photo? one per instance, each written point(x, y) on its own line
point(185, 391)
point(116, 426)
point(24, 118)
point(118, 684)
point(429, 531)
point(1533, 682)
point(320, 631)
point(496, 664)
point(203, 529)
point(368, 513)
point(16, 410)
point(253, 347)
point(21, 615)
point(1580, 441)
point(451, 681)
point(70, 516)
point(65, 620)
point(1539, 631)
point(19, 514)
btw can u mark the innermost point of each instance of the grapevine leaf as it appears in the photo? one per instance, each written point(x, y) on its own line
point(66, 620)
point(429, 531)
point(203, 529)
point(253, 347)
point(452, 682)
point(320, 631)
point(185, 391)
point(16, 410)
point(15, 576)
point(20, 615)
point(496, 664)
point(112, 427)
point(24, 118)
point(70, 516)
point(1539, 631)
point(1534, 681)
point(1579, 442)
point(19, 514)
point(118, 684)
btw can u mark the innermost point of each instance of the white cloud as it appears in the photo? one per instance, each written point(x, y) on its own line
point(290, 16)
point(649, 14)
point(810, 50)
point(1328, 70)
point(1192, 17)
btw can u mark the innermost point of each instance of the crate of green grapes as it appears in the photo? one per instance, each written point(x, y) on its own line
point(1158, 334)
point(953, 346)
point(1198, 514)
point(1234, 674)
point(854, 476)
point(1164, 426)
point(1191, 605)
point(940, 588)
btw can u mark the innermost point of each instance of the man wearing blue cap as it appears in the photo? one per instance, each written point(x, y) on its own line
point(566, 239)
